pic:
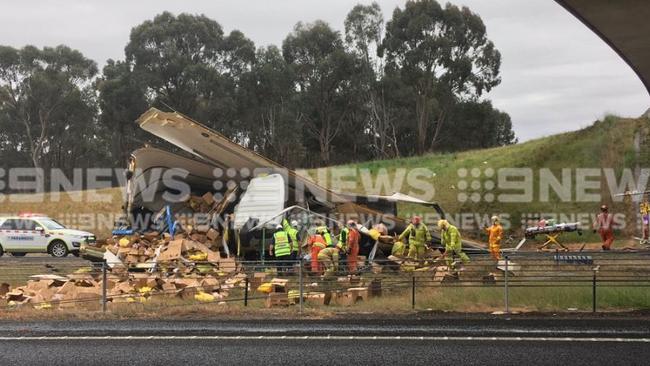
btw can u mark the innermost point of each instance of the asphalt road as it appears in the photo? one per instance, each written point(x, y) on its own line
point(491, 341)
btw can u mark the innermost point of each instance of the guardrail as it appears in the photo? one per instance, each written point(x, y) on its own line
point(557, 280)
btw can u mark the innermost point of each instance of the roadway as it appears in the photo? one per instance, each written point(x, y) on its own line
point(429, 340)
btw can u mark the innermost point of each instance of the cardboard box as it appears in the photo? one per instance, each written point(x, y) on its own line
point(277, 299)
point(172, 252)
point(210, 284)
point(359, 293)
point(212, 234)
point(208, 198)
point(279, 285)
point(258, 279)
point(227, 265)
point(345, 298)
point(316, 298)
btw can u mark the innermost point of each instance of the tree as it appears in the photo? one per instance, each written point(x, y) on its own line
point(480, 125)
point(270, 110)
point(363, 34)
point(185, 62)
point(363, 30)
point(46, 93)
point(121, 100)
point(323, 69)
point(444, 55)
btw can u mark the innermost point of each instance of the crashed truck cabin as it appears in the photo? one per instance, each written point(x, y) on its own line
point(258, 203)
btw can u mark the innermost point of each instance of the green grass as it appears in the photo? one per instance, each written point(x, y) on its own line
point(524, 299)
point(605, 144)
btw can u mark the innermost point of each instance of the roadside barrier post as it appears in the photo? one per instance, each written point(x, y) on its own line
point(506, 287)
point(104, 285)
point(300, 281)
point(593, 292)
point(246, 291)
point(413, 293)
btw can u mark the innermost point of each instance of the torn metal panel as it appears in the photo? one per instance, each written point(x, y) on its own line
point(264, 198)
point(388, 204)
point(145, 188)
point(223, 153)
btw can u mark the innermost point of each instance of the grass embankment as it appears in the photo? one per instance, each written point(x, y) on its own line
point(605, 144)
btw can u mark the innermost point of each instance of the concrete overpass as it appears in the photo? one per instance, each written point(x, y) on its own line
point(623, 24)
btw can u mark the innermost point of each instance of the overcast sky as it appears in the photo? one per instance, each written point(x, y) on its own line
point(557, 75)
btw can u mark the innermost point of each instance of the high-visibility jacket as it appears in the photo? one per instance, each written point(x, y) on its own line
point(418, 234)
point(451, 238)
point(329, 253)
point(293, 235)
point(399, 249)
point(281, 245)
point(343, 239)
point(644, 208)
point(326, 235)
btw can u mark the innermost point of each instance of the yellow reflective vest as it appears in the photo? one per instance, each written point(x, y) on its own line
point(281, 246)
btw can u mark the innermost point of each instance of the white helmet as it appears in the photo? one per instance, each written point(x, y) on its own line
point(294, 223)
point(278, 227)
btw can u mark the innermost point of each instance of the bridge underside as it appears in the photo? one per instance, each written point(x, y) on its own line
point(623, 24)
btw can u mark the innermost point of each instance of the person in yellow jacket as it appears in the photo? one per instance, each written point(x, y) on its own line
point(280, 248)
point(450, 237)
point(418, 235)
point(398, 249)
point(294, 236)
point(325, 233)
point(495, 234)
point(328, 259)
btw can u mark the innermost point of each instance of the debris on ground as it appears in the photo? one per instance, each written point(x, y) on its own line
point(84, 288)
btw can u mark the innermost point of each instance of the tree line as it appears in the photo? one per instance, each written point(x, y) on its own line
point(378, 89)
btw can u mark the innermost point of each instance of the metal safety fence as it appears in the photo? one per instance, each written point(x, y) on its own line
point(523, 282)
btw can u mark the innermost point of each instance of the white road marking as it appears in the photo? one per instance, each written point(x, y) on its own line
point(335, 338)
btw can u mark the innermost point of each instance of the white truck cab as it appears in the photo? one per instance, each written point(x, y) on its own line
point(36, 233)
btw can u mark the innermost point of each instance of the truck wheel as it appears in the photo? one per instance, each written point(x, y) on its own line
point(1, 251)
point(58, 249)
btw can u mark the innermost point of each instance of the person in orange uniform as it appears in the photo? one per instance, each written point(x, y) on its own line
point(353, 246)
point(317, 243)
point(495, 234)
point(603, 224)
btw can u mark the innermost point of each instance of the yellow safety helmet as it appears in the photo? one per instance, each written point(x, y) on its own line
point(443, 224)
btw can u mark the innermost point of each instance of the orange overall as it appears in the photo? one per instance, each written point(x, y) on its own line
point(353, 247)
point(604, 226)
point(495, 233)
point(317, 243)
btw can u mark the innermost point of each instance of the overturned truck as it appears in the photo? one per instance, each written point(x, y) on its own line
point(256, 193)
